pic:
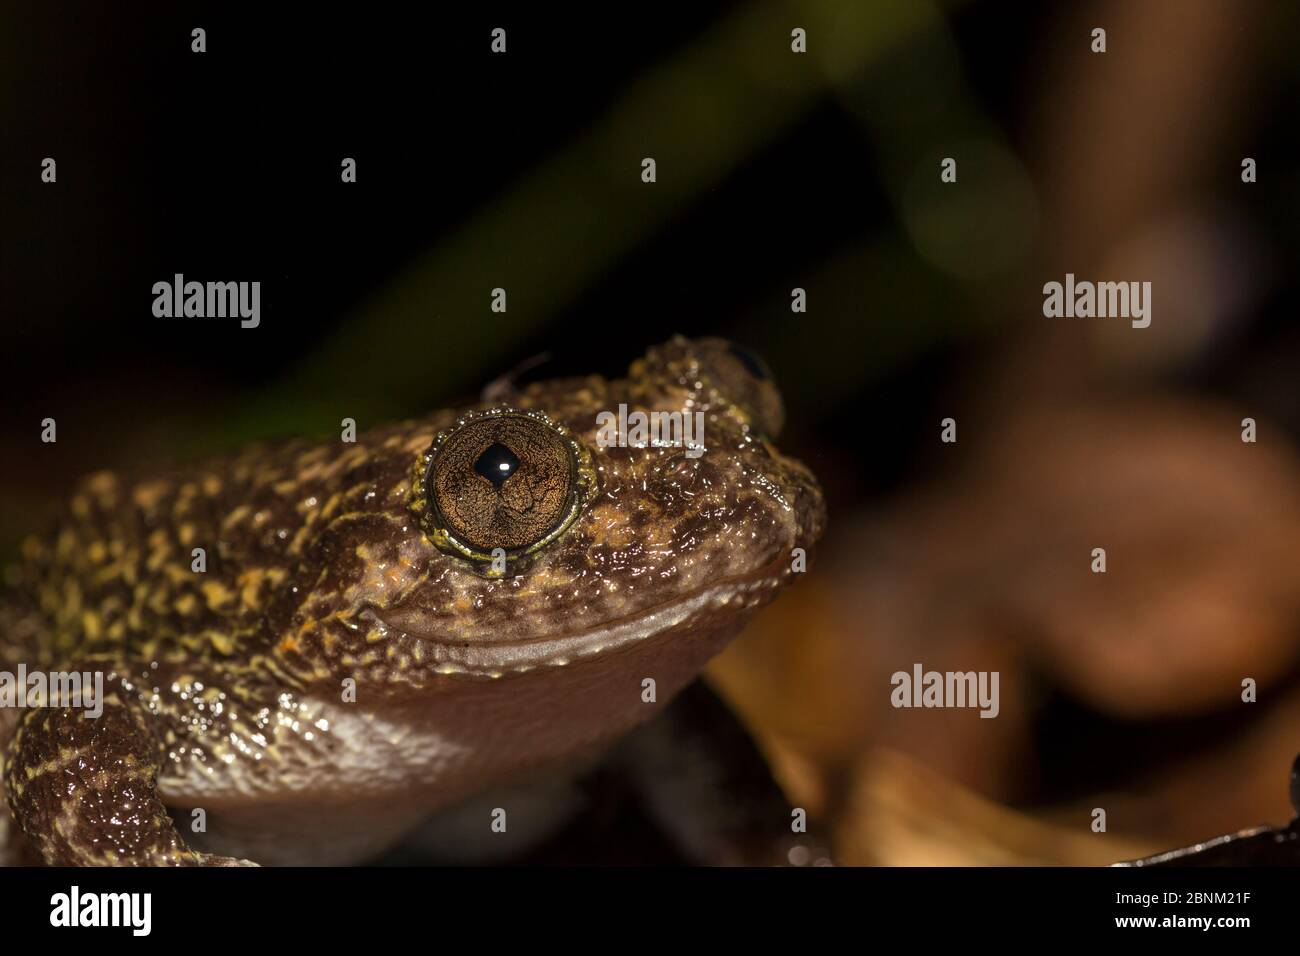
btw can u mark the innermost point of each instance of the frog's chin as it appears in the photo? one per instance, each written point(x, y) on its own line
point(729, 598)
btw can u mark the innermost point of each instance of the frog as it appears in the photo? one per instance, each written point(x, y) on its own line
point(431, 635)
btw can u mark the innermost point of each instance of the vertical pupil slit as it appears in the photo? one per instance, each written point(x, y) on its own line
point(496, 464)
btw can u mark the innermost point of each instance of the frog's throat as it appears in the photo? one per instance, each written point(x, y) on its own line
point(500, 659)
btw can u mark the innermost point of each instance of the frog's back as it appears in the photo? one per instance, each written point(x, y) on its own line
point(195, 564)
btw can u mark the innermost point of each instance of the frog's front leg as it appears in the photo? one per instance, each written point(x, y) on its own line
point(702, 778)
point(83, 789)
point(14, 849)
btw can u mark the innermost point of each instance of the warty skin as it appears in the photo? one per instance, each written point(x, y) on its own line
point(340, 672)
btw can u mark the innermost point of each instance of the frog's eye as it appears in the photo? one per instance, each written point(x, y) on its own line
point(743, 378)
point(508, 480)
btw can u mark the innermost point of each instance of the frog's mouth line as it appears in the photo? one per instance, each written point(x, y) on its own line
point(501, 659)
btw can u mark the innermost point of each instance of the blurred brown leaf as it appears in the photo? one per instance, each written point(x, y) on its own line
point(900, 813)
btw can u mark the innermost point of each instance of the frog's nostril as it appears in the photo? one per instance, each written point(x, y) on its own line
point(753, 364)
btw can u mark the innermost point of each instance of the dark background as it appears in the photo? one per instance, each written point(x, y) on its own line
point(225, 166)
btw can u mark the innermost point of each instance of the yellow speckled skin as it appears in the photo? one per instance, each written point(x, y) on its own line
point(332, 677)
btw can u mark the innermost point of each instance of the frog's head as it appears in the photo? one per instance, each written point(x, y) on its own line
point(556, 534)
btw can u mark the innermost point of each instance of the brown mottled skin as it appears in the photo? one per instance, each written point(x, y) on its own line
point(333, 679)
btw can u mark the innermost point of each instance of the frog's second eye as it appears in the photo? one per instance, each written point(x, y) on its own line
point(503, 480)
point(753, 364)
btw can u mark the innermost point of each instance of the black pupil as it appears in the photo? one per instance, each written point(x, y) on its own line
point(497, 463)
point(751, 362)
